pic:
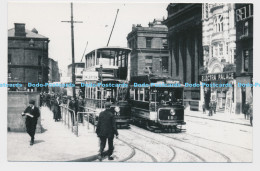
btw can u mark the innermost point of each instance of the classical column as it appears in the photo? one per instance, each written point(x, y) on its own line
point(196, 59)
point(180, 57)
point(188, 43)
point(172, 56)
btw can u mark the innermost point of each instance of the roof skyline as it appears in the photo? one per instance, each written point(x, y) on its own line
point(97, 24)
point(29, 34)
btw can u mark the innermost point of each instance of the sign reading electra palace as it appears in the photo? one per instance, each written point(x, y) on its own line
point(218, 77)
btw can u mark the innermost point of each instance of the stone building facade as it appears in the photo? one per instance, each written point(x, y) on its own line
point(149, 46)
point(27, 57)
point(219, 48)
point(185, 46)
point(54, 72)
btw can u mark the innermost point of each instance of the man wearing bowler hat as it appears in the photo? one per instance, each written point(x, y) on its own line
point(106, 129)
point(32, 113)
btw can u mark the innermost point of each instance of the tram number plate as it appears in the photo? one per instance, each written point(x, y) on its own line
point(172, 117)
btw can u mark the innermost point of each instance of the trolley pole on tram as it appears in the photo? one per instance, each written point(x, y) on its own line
point(101, 80)
point(72, 48)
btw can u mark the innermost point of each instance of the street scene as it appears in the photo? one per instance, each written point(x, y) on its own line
point(172, 86)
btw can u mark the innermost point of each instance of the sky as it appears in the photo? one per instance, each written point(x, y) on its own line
point(97, 18)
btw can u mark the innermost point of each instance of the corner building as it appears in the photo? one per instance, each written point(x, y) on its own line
point(27, 58)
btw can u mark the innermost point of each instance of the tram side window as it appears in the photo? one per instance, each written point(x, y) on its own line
point(146, 94)
point(153, 97)
point(136, 94)
point(94, 93)
point(141, 94)
point(132, 94)
point(89, 93)
point(98, 94)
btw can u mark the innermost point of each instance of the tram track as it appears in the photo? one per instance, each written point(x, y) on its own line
point(173, 151)
point(219, 142)
point(221, 154)
point(131, 155)
point(201, 158)
point(134, 148)
point(170, 146)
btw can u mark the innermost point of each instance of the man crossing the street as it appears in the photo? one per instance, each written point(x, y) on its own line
point(106, 129)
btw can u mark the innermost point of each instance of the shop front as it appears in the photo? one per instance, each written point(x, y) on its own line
point(219, 88)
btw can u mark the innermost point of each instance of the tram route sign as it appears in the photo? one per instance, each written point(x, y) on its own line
point(90, 76)
point(218, 76)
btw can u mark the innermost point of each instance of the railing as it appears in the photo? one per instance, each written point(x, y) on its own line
point(95, 103)
point(72, 120)
point(68, 118)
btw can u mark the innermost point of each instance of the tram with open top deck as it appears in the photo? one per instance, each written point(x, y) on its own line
point(157, 102)
point(107, 73)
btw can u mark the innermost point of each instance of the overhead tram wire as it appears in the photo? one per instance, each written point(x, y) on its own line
point(84, 52)
point(112, 27)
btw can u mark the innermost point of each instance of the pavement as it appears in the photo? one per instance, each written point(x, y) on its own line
point(220, 116)
point(58, 143)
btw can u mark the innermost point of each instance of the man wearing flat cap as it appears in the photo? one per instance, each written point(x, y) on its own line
point(32, 113)
point(106, 129)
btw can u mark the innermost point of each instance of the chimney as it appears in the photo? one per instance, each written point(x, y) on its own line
point(35, 31)
point(19, 29)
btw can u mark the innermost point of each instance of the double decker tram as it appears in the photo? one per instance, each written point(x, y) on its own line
point(110, 66)
point(157, 103)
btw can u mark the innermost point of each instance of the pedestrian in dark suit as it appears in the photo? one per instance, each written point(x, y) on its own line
point(32, 113)
point(214, 106)
point(211, 108)
point(72, 106)
point(56, 110)
point(204, 108)
point(106, 129)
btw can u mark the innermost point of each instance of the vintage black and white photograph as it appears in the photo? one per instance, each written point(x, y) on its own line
point(130, 82)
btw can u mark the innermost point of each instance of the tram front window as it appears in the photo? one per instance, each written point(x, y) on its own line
point(169, 97)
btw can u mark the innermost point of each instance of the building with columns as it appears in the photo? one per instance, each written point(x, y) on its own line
point(185, 47)
point(219, 51)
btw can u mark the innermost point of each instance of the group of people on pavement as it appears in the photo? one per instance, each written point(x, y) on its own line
point(247, 110)
point(53, 102)
point(212, 108)
point(106, 128)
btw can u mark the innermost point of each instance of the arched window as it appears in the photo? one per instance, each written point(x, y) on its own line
point(218, 23)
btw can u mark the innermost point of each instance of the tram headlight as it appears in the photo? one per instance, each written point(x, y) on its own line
point(172, 112)
point(117, 109)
